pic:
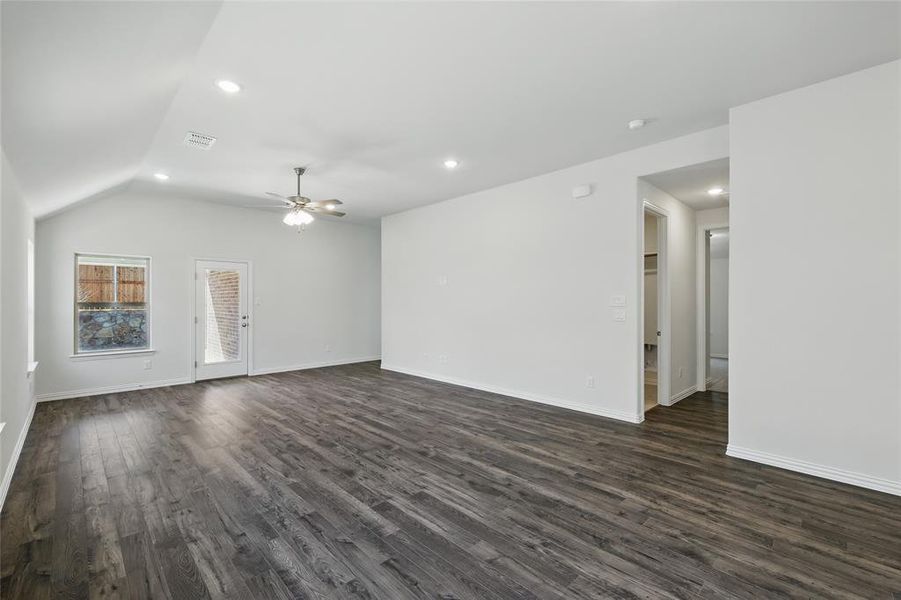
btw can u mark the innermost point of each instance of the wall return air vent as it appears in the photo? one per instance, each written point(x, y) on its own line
point(200, 141)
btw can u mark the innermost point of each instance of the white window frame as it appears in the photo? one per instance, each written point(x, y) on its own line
point(148, 289)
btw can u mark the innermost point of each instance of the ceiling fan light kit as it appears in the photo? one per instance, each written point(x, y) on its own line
point(301, 209)
point(298, 218)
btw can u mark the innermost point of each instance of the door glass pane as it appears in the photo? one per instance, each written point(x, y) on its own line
point(223, 323)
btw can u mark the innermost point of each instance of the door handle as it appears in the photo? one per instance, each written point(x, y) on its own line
point(658, 334)
point(243, 324)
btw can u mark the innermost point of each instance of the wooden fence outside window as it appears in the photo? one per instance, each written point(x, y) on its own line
point(111, 284)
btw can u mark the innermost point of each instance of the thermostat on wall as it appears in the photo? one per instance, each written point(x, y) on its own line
point(580, 191)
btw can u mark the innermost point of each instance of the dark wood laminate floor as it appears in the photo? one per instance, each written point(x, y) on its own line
point(351, 482)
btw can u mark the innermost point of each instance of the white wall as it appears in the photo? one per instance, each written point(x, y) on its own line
point(712, 216)
point(719, 307)
point(16, 387)
point(316, 289)
point(814, 348)
point(509, 289)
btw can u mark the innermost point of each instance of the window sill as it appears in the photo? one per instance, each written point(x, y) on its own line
point(110, 354)
point(32, 367)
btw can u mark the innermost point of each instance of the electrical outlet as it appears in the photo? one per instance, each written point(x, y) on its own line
point(681, 371)
point(148, 364)
point(328, 347)
point(442, 280)
point(442, 358)
point(589, 382)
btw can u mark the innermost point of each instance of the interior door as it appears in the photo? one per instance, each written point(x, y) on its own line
point(221, 322)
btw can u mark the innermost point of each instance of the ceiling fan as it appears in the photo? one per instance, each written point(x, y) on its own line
point(301, 209)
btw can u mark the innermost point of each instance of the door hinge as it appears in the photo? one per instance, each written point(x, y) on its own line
point(195, 275)
point(195, 319)
point(195, 364)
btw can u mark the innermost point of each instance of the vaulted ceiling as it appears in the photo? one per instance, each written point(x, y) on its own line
point(372, 97)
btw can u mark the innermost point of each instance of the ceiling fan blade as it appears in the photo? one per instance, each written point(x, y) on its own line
point(265, 206)
point(324, 203)
point(280, 197)
point(322, 211)
point(298, 202)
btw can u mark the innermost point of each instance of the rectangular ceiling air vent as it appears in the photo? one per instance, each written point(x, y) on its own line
point(199, 140)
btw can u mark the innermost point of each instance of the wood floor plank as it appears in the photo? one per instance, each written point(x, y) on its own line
point(356, 483)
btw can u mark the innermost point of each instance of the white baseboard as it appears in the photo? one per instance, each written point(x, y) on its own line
point(774, 460)
point(683, 394)
point(601, 412)
point(130, 387)
point(315, 365)
point(14, 459)
point(111, 389)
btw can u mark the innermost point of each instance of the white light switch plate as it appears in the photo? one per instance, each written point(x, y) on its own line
point(617, 300)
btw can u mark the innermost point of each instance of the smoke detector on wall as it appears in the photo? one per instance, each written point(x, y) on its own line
point(200, 141)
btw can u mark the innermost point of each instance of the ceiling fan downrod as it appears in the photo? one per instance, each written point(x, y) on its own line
point(300, 171)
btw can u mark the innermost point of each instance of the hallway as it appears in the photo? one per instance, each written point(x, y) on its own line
point(718, 375)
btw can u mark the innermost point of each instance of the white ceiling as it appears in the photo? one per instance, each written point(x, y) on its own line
point(372, 97)
point(690, 184)
point(85, 87)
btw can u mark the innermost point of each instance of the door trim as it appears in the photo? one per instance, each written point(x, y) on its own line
point(664, 357)
point(192, 302)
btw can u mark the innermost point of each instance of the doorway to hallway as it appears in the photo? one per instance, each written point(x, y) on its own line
point(717, 310)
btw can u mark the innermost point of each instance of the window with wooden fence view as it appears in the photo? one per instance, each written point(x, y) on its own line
point(111, 304)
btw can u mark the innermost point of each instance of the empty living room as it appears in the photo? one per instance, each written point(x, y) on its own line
point(463, 300)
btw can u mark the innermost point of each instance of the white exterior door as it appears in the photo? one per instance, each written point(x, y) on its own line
point(222, 320)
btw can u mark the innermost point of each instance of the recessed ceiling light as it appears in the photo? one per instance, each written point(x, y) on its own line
point(451, 163)
point(329, 207)
point(229, 87)
point(716, 191)
point(161, 176)
point(637, 123)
